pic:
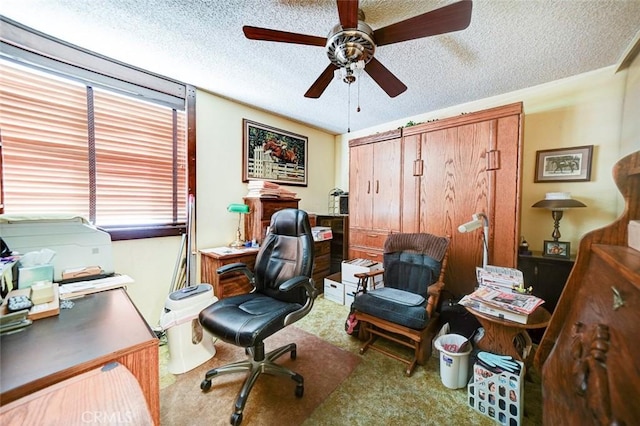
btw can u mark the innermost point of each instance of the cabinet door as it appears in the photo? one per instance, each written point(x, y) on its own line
point(360, 185)
point(386, 185)
point(454, 187)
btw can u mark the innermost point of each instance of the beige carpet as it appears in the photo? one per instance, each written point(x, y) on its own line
point(272, 400)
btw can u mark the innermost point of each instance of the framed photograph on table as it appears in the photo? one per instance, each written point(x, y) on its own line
point(561, 249)
point(564, 164)
point(273, 154)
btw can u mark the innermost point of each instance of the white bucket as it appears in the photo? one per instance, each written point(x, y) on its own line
point(454, 366)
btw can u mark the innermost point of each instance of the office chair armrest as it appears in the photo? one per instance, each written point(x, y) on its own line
point(236, 267)
point(309, 288)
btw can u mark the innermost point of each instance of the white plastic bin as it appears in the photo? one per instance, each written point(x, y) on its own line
point(189, 344)
point(454, 366)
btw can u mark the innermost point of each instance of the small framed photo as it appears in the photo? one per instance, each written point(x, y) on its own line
point(560, 249)
point(564, 165)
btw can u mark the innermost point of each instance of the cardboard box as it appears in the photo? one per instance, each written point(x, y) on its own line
point(497, 394)
point(634, 234)
point(334, 289)
point(357, 266)
point(349, 292)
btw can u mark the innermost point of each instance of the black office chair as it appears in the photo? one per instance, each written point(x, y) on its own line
point(283, 293)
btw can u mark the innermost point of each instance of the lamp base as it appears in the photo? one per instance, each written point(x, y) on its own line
point(237, 244)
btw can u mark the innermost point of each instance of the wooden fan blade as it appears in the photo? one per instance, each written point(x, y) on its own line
point(319, 86)
point(348, 12)
point(453, 17)
point(385, 78)
point(265, 34)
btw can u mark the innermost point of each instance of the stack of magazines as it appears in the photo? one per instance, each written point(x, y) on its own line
point(502, 301)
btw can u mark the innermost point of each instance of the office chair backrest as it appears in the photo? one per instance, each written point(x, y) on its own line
point(413, 261)
point(287, 252)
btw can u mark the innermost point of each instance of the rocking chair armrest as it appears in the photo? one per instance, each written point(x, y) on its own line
point(369, 274)
point(433, 291)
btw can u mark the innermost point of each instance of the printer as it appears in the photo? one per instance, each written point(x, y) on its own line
point(78, 245)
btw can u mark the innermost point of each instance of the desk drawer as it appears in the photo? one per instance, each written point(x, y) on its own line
point(270, 207)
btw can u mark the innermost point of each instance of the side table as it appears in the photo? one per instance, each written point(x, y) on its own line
point(500, 335)
point(232, 283)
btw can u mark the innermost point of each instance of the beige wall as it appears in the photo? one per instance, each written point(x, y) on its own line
point(597, 108)
point(151, 262)
point(582, 110)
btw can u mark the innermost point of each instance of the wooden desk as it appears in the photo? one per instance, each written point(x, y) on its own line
point(500, 335)
point(100, 328)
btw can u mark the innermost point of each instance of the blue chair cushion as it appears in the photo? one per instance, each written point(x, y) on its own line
point(398, 296)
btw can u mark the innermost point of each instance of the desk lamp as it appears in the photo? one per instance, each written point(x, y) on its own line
point(479, 219)
point(558, 202)
point(240, 209)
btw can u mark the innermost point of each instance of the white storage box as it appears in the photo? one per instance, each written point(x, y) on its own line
point(634, 234)
point(357, 266)
point(497, 394)
point(334, 289)
point(349, 293)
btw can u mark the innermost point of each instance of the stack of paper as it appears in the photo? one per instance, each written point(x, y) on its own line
point(502, 304)
point(266, 189)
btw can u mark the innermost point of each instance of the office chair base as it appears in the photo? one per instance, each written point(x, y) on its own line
point(257, 363)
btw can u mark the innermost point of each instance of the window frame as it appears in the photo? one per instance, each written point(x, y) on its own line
point(33, 48)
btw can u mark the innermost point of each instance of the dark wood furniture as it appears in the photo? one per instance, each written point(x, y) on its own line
point(99, 329)
point(229, 284)
point(506, 337)
point(547, 276)
point(258, 219)
point(339, 225)
point(434, 176)
point(588, 355)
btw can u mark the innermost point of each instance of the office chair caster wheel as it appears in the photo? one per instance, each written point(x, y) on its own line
point(294, 354)
point(299, 391)
point(236, 419)
point(205, 385)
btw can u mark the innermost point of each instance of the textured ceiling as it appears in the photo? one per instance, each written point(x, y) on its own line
point(509, 45)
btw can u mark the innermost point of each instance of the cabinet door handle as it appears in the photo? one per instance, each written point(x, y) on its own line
point(377, 185)
point(368, 187)
point(618, 301)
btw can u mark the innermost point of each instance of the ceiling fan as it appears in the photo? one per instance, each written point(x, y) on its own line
point(351, 44)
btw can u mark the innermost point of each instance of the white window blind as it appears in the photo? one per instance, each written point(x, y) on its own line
point(68, 147)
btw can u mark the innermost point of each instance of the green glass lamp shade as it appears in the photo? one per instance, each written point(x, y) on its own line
point(238, 208)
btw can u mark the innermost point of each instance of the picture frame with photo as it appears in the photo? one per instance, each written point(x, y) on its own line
point(560, 249)
point(564, 164)
point(273, 154)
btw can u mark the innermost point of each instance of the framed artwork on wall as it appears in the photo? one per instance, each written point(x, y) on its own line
point(564, 164)
point(560, 249)
point(272, 154)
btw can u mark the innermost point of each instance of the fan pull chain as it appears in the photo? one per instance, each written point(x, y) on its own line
point(349, 108)
point(358, 108)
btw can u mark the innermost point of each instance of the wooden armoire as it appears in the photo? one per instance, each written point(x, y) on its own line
point(588, 356)
point(433, 177)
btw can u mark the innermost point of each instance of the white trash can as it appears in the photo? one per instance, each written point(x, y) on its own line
point(189, 344)
point(454, 366)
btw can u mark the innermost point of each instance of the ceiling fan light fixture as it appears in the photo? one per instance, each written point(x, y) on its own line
point(350, 45)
